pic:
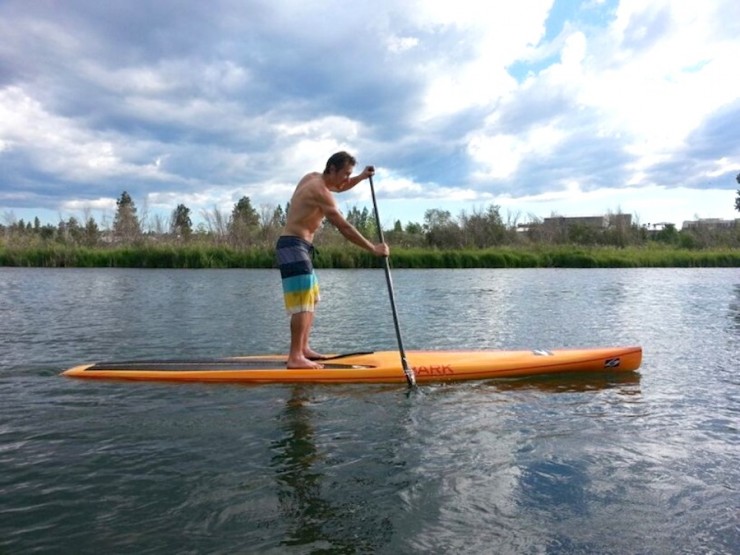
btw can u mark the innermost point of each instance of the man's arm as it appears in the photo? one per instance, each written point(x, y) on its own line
point(332, 213)
point(352, 181)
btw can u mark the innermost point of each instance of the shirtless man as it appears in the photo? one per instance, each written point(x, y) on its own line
point(312, 202)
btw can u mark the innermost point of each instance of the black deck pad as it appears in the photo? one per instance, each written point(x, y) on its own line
point(209, 364)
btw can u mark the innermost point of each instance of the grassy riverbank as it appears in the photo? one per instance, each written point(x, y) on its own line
point(213, 256)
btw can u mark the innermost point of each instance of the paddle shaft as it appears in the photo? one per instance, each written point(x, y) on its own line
point(406, 370)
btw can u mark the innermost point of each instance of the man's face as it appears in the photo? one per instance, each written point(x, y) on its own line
point(341, 177)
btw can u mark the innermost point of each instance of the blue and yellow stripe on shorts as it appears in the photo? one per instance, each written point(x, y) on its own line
point(300, 285)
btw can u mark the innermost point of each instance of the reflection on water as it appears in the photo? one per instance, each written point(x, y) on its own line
point(474, 456)
point(300, 483)
point(575, 383)
point(327, 479)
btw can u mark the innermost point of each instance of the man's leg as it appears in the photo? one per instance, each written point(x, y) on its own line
point(300, 328)
point(308, 352)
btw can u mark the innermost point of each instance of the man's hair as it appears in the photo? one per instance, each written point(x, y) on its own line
point(338, 160)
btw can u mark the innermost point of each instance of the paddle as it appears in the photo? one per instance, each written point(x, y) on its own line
point(406, 370)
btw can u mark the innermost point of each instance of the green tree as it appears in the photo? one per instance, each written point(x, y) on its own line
point(180, 223)
point(91, 234)
point(363, 221)
point(18, 227)
point(272, 222)
point(47, 231)
point(62, 236)
point(483, 229)
point(126, 226)
point(669, 235)
point(244, 223)
point(583, 234)
point(441, 229)
point(414, 228)
point(70, 231)
point(412, 236)
point(280, 216)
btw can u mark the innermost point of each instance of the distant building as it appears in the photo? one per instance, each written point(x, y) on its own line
point(593, 222)
point(561, 222)
point(710, 223)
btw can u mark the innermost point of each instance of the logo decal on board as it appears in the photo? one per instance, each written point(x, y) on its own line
point(542, 353)
point(434, 370)
point(612, 362)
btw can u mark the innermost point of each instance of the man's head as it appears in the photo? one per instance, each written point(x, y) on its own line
point(339, 161)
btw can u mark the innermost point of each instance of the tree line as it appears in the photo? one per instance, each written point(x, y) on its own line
point(246, 227)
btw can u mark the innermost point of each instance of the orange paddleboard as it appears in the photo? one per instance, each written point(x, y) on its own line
point(375, 367)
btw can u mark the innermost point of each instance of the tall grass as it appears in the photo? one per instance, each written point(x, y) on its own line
point(220, 256)
point(150, 256)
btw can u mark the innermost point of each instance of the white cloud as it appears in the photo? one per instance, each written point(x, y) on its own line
point(663, 71)
point(401, 44)
point(433, 92)
point(648, 82)
point(56, 144)
point(491, 37)
point(501, 155)
point(88, 205)
point(321, 128)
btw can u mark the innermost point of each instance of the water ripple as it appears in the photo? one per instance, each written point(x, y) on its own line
point(638, 463)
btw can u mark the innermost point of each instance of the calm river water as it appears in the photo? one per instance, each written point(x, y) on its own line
point(645, 463)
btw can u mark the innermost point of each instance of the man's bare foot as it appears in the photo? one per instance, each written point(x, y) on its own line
point(303, 362)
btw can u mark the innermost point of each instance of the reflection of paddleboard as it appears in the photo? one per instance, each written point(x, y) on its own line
point(378, 367)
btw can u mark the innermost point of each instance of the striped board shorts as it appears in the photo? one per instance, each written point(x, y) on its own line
point(300, 285)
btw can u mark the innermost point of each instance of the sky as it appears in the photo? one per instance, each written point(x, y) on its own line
point(539, 107)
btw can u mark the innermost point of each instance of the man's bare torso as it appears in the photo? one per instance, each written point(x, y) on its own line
point(306, 207)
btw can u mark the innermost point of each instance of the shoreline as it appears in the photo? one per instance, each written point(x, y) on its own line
point(200, 256)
